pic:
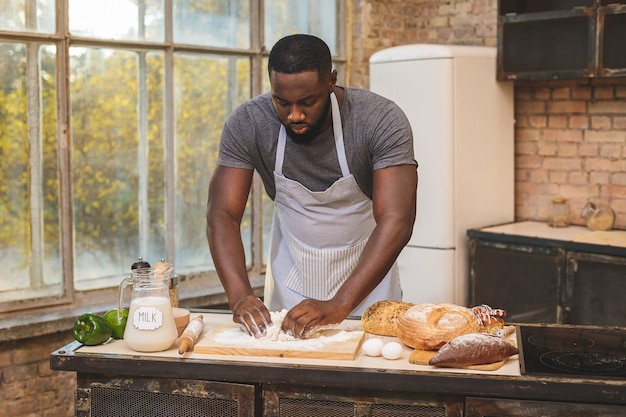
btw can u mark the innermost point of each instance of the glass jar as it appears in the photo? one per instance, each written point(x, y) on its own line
point(559, 212)
point(600, 217)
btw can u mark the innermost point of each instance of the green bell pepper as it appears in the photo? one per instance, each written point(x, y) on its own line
point(91, 329)
point(117, 324)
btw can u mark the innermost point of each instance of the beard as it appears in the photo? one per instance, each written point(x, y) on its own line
point(313, 131)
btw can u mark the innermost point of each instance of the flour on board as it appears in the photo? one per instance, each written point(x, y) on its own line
point(275, 338)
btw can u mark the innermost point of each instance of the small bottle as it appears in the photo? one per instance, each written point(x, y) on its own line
point(559, 212)
point(172, 282)
point(173, 285)
point(140, 264)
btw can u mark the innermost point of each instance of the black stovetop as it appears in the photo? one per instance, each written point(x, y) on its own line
point(564, 350)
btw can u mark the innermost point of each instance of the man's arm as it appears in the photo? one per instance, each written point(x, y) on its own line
point(228, 194)
point(394, 196)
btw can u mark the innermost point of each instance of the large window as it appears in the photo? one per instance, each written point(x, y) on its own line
point(110, 118)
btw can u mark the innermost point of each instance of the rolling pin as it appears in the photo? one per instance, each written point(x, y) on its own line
point(191, 334)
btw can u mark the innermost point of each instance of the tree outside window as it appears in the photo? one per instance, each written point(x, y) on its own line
point(109, 129)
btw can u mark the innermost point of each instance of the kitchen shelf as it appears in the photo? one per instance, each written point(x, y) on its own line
point(555, 39)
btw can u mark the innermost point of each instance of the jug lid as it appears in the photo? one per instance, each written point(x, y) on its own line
point(140, 263)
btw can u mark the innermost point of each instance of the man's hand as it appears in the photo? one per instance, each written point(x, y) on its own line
point(252, 316)
point(311, 314)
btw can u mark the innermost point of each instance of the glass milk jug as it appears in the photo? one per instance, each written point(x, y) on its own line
point(150, 326)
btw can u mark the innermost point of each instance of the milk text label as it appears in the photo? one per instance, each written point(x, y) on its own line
point(147, 318)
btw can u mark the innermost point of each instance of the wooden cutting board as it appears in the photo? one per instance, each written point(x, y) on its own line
point(335, 344)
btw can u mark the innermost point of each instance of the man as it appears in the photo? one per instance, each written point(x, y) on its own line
point(338, 163)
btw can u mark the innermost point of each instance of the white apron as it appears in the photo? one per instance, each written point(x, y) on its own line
point(318, 236)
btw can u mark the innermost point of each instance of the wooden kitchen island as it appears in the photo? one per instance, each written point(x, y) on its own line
point(115, 381)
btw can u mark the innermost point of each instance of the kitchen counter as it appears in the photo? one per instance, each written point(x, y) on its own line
point(362, 362)
point(97, 364)
point(573, 237)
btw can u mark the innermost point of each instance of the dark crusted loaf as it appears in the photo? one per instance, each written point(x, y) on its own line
point(473, 349)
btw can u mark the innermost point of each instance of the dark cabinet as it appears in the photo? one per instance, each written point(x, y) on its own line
point(127, 396)
point(489, 407)
point(547, 39)
point(595, 289)
point(524, 280)
point(104, 396)
point(612, 40)
point(292, 401)
point(546, 276)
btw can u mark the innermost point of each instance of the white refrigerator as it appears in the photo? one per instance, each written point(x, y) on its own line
point(462, 121)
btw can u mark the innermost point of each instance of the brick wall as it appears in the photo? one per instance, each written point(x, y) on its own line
point(28, 388)
point(379, 24)
point(570, 136)
point(570, 140)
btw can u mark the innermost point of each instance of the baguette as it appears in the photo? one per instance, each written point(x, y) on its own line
point(473, 349)
point(381, 317)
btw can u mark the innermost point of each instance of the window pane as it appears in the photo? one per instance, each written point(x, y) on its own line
point(315, 17)
point(117, 19)
point(117, 162)
point(221, 23)
point(207, 89)
point(29, 210)
point(28, 15)
point(51, 262)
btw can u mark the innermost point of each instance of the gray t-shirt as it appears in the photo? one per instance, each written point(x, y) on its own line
point(376, 134)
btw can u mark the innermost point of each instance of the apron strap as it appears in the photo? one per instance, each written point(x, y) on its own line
point(280, 151)
point(338, 132)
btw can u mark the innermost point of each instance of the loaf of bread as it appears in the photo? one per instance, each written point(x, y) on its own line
point(381, 317)
point(473, 349)
point(430, 326)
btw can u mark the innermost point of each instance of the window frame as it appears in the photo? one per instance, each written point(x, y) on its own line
point(198, 288)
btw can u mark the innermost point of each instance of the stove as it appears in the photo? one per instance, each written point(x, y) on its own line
point(566, 350)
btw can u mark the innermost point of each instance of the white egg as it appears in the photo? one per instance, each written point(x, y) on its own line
point(372, 347)
point(391, 350)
